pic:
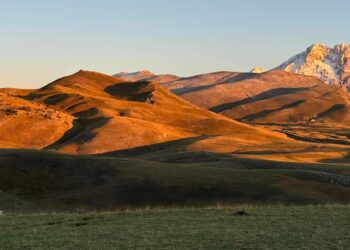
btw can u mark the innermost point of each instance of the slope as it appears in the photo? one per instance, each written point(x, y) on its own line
point(25, 124)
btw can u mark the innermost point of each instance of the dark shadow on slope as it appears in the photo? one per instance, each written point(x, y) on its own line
point(182, 91)
point(33, 96)
point(132, 91)
point(334, 108)
point(264, 113)
point(239, 77)
point(76, 129)
point(263, 96)
point(236, 78)
point(87, 134)
point(76, 105)
point(81, 132)
point(86, 113)
point(316, 140)
point(154, 148)
point(54, 99)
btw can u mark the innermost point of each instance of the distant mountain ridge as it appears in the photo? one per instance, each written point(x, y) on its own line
point(332, 65)
point(274, 96)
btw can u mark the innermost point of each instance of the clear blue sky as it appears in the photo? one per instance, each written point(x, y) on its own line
point(42, 40)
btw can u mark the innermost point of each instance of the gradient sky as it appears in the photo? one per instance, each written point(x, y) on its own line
point(42, 40)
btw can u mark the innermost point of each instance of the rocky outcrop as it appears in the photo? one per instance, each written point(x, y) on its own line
point(332, 65)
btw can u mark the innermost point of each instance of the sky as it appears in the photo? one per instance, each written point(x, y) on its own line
point(43, 40)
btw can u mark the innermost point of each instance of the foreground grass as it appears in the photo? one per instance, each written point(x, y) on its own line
point(274, 227)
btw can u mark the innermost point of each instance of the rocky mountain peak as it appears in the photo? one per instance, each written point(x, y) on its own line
point(332, 65)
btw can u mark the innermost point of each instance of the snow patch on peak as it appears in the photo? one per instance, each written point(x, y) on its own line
point(135, 76)
point(317, 46)
point(146, 72)
point(258, 70)
point(331, 65)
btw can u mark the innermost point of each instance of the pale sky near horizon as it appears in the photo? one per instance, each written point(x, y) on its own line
point(43, 40)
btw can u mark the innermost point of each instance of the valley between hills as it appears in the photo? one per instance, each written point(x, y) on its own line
point(95, 141)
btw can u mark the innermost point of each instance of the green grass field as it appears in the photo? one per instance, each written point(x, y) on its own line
point(266, 227)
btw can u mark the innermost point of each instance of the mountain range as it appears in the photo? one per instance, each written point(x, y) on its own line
point(331, 65)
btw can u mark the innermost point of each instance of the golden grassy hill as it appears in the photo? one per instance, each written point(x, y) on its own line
point(111, 114)
point(25, 124)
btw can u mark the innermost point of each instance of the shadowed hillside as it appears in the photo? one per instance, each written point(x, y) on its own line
point(51, 181)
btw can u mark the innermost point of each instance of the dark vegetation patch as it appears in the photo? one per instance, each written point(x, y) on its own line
point(87, 218)
point(54, 223)
point(80, 224)
point(240, 213)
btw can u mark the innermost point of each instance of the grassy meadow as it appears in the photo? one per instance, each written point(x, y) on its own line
point(265, 227)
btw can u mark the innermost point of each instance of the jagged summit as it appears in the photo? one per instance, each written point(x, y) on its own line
point(331, 65)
